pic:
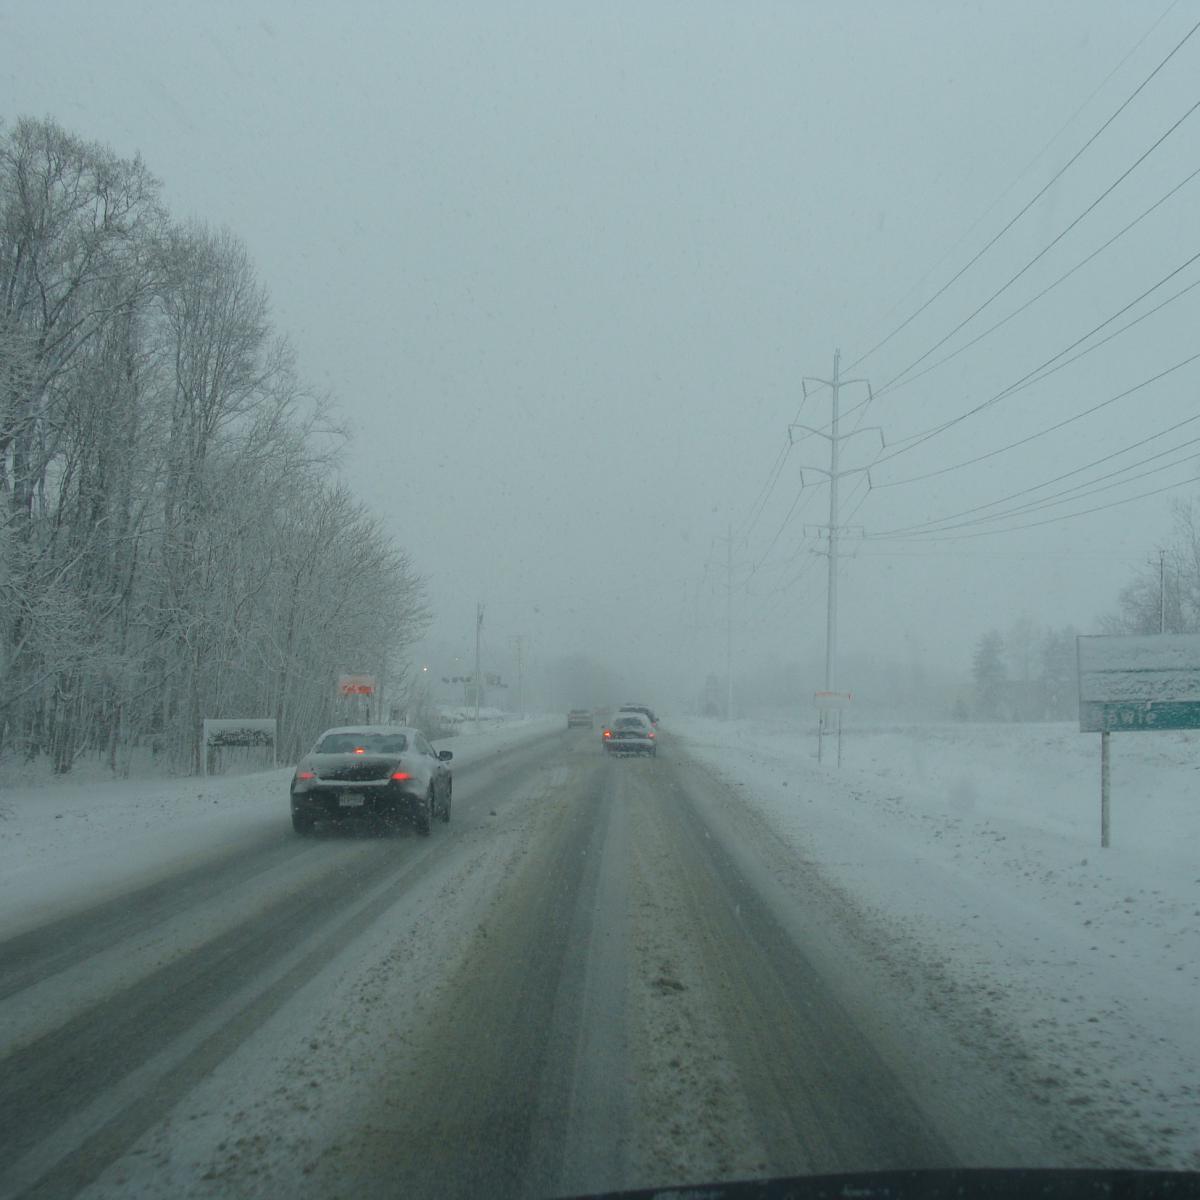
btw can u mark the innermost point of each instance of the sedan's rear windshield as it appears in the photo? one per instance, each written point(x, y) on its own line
point(369, 743)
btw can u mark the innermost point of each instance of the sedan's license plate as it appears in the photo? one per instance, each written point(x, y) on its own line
point(350, 800)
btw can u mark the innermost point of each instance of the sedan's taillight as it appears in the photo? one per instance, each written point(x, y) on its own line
point(305, 775)
point(650, 734)
point(608, 733)
point(401, 775)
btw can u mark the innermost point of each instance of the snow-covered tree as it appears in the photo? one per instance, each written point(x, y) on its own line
point(989, 675)
point(1059, 682)
point(172, 543)
point(1021, 653)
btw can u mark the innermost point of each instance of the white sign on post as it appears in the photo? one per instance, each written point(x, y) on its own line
point(1131, 683)
point(237, 733)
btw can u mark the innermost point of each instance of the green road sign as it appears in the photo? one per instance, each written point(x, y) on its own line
point(1139, 681)
point(1116, 716)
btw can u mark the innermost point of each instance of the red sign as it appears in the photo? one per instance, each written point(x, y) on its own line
point(356, 685)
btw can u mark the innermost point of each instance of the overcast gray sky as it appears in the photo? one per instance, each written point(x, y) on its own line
point(564, 266)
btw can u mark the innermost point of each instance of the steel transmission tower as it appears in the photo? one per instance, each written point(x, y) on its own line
point(729, 624)
point(834, 529)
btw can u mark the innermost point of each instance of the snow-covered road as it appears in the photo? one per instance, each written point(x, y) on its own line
point(602, 973)
point(971, 854)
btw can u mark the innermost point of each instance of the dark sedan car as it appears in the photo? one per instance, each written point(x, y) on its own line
point(385, 772)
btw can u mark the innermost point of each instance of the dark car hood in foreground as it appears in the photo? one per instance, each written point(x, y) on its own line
point(1017, 1184)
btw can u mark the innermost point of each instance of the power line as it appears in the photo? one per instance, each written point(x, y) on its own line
point(806, 547)
point(1054, 179)
point(773, 475)
point(1076, 492)
point(787, 520)
point(938, 525)
point(1045, 249)
point(892, 387)
point(1087, 412)
point(1030, 164)
point(1064, 516)
point(1029, 378)
point(775, 471)
point(1033, 377)
point(1080, 490)
point(894, 384)
point(862, 499)
point(712, 545)
point(784, 591)
point(765, 492)
point(914, 552)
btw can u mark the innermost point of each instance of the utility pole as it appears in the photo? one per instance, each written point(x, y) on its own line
point(729, 625)
point(834, 529)
point(728, 621)
point(478, 677)
point(1162, 591)
point(519, 640)
point(831, 596)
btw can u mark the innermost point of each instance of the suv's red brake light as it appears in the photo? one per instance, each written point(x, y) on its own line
point(608, 733)
point(305, 775)
point(401, 775)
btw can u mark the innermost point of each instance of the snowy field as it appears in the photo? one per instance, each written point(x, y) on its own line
point(88, 835)
point(976, 847)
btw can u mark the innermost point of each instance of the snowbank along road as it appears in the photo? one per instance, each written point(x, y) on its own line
point(603, 973)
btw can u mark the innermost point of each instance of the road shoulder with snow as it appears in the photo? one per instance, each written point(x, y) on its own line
point(972, 853)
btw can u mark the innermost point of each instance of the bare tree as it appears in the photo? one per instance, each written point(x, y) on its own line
point(1165, 591)
point(172, 541)
point(72, 216)
point(990, 676)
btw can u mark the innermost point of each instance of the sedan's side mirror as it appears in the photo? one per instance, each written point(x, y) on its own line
point(445, 755)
